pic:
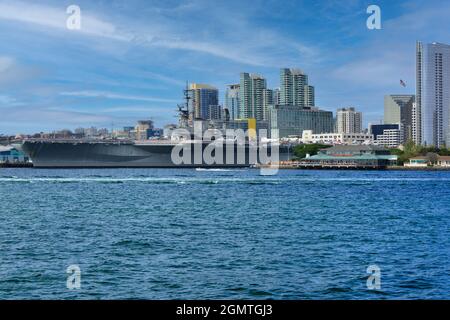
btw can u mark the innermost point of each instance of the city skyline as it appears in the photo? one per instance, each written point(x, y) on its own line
point(122, 66)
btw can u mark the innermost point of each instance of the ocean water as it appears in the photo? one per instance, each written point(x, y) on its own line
point(199, 234)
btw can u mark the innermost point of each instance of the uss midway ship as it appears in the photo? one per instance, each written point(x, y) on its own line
point(55, 153)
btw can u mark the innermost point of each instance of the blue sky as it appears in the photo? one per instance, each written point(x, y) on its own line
point(131, 59)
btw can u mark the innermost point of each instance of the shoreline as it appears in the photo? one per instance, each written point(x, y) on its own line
point(16, 165)
point(401, 168)
point(281, 167)
point(349, 168)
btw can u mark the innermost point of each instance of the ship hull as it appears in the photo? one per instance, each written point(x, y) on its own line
point(46, 154)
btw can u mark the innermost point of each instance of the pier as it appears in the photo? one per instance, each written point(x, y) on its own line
point(316, 166)
point(16, 165)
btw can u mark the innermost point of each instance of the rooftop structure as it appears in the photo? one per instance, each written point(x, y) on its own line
point(358, 157)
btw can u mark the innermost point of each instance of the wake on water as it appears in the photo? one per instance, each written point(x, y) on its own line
point(219, 170)
point(208, 180)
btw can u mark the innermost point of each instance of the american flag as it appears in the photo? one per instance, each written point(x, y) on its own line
point(402, 83)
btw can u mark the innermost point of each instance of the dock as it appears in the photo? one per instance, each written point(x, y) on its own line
point(16, 165)
point(316, 166)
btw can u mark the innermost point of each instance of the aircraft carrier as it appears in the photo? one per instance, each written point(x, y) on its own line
point(131, 154)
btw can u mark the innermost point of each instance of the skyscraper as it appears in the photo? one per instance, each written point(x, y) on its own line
point(295, 89)
point(348, 120)
point(268, 101)
point(398, 109)
point(232, 100)
point(415, 135)
point(214, 112)
point(203, 96)
point(433, 94)
point(310, 96)
point(277, 96)
point(251, 96)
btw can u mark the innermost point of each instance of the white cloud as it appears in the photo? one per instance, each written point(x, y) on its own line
point(56, 18)
point(252, 45)
point(374, 72)
point(5, 63)
point(111, 95)
point(6, 100)
point(12, 73)
point(36, 114)
point(389, 54)
point(163, 78)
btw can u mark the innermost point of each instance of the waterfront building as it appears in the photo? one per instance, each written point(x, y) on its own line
point(443, 161)
point(424, 161)
point(251, 96)
point(388, 135)
point(232, 101)
point(433, 94)
point(293, 120)
point(309, 137)
point(399, 109)
point(373, 157)
point(295, 89)
point(9, 154)
point(417, 162)
point(348, 120)
point(203, 96)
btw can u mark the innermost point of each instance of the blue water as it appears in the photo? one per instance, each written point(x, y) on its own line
point(187, 234)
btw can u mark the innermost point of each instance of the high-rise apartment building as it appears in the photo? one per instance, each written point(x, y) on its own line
point(203, 96)
point(348, 120)
point(310, 96)
point(433, 94)
point(277, 96)
point(232, 100)
point(268, 101)
point(398, 109)
point(415, 135)
point(251, 96)
point(214, 112)
point(295, 89)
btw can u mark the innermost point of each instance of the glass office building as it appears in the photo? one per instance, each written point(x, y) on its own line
point(293, 120)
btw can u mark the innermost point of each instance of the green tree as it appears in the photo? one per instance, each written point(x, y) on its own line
point(432, 157)
point(302, 150)
point(409, 151)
